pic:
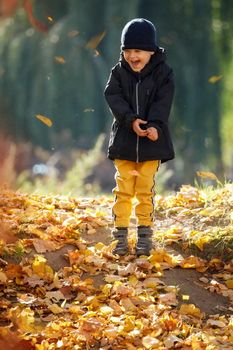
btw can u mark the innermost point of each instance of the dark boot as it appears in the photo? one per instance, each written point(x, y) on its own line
point(144, 240)
point(120, 234)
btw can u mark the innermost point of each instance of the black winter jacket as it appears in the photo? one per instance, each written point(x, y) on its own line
point(146, 95)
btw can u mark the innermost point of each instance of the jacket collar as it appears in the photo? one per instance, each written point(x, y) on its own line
point(156, 59)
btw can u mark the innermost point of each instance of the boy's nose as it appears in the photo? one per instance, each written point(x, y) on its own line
point(132, 55)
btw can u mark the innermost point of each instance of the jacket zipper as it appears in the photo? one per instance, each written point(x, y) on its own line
point(137, 108)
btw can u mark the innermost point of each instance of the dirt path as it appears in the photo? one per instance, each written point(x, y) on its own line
point(186, 280)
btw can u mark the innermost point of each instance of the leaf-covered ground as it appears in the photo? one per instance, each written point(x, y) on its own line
point(62, 288)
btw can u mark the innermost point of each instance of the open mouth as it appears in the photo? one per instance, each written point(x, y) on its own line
point(135, 64)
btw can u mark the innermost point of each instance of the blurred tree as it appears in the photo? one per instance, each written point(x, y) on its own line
point(187, 34)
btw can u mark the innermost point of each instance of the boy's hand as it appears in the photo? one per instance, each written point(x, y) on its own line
point(152, 134)
point(136, 127)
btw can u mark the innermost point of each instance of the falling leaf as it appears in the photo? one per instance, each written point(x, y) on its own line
point(73, 33)
point(44, 120)
point(214, 79)
point(206, 175)
point(60, 59)
point(95, 41)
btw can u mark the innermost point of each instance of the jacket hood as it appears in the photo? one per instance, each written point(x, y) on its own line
point(156, 59)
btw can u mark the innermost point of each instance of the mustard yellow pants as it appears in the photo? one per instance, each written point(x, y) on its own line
point(134, 180)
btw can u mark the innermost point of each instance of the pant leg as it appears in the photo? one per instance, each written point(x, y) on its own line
point(124, 192)
point(145, 191)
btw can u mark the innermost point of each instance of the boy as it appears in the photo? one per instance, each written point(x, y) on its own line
point(139, 93)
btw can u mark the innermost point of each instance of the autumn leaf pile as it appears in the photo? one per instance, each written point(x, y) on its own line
point(97, 301)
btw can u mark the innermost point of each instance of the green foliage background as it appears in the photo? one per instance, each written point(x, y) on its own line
point(197, 35)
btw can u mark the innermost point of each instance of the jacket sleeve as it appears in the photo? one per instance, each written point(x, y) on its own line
point(119, 107)
point(161, 106)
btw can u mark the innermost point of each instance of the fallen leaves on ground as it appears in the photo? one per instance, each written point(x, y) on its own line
point(97, 301)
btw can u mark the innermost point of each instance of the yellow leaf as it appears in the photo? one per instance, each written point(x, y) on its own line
point(190, 309)
point(156, 257)
point(229, 284)
point(201, 241)
point(207, 175)
point(41, 269)
point(129, 323)
point(214, 78)
point(44, 120)
point(24, 319)
point(191, 262)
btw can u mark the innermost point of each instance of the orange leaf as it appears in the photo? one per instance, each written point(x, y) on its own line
point(59, 59)
point(6, 234)
point(95, 41)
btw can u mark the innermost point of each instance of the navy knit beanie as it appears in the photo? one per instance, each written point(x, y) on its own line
point(139, 34)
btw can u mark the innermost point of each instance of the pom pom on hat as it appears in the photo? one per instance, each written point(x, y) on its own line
point(139, 34)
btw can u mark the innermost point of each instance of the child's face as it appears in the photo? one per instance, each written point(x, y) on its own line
point(137, 59)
